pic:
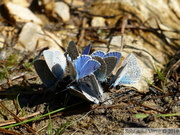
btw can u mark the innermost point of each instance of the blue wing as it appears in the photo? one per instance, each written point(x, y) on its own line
point(80, 61)
point(87, 49)
point(88, 68)
point(98, 53)
point(114, 54)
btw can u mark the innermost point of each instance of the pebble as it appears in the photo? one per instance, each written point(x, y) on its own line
point(98, 22)
point(32, 38)
point(62, 10)
point(21, 14)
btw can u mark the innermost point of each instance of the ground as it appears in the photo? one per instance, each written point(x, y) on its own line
point(24, 97)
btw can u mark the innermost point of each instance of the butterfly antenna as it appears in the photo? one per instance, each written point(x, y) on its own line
point(71, 83)
point(62, 91)
point(118, 95)
point(41, 53)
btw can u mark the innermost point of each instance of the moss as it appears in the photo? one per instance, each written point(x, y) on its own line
point(2, 75)
point(12, 60)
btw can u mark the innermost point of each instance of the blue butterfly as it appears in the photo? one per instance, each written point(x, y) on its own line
point(88, 88)
point(56, 62)
point(128, 73)
point(109, 54)
point(73, 53)
point(84, 65)
point(87, 49)
point(108, 63)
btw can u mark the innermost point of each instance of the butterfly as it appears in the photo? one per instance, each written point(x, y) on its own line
point(82, 66)
point(87, 49)
point(88, 88)
point(108, 63)
point(45, 74)
point(73, 53)
point(56, 62)
point(109, 54)
point(128, 73)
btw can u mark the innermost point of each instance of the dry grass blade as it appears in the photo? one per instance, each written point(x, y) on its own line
point(8, 132)
point(17, 118)
point(12, 121)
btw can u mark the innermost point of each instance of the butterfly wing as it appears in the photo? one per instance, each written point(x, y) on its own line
point(59, 64)
point(100, 73)
point(93, 91)
point(87, 49)
point(111, 64)
point(88, 94)
point(72, 50)
point(60, 59)
point(79, 63)
point(48, 56)
point(45, 74)
point(98, 53)
point(114, 54)
point(89, 67)
point(133, 73)
point(74, 90)
point(72, 70)
point(118, 76)
point(129, 72)
point(85, 65)
point(56, 62)
point(96, 86)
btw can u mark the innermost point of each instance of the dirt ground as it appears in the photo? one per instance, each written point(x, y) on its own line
point(23, 96)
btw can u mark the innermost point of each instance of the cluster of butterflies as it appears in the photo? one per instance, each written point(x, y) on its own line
point(86, 71)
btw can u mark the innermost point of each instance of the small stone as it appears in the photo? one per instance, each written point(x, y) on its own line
point(98, 22)
point(76, 3)
point(32, 38)
point(24, 3)
point(1, 42)
point(62, 10)
point(21, 14)
point(48, 6)
point(175, 6)
point(29, 36)
point(2, 54)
